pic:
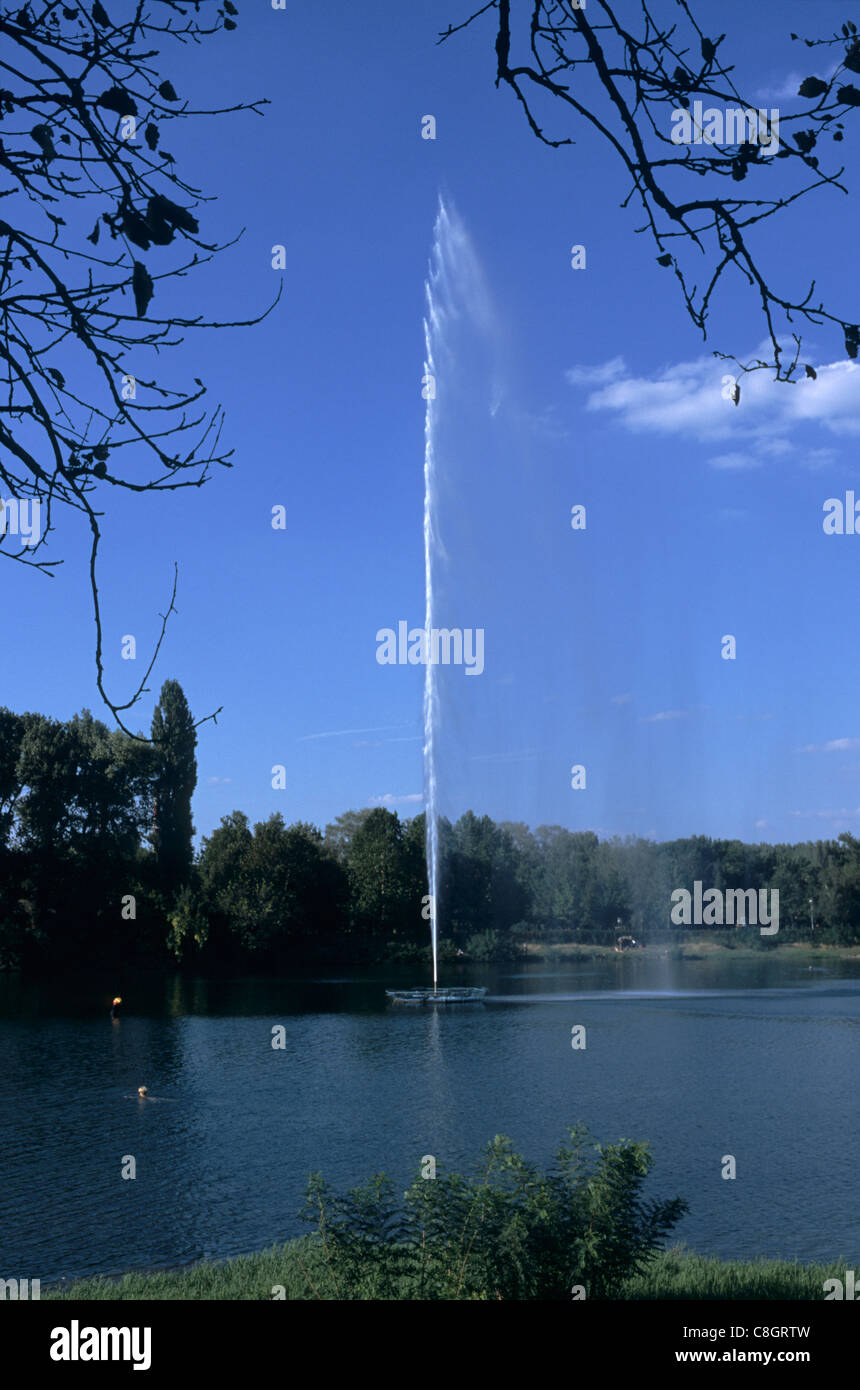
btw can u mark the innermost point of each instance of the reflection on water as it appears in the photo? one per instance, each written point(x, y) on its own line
point(757, 1058)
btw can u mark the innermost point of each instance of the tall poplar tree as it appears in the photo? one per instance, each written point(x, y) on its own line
point(175, 740)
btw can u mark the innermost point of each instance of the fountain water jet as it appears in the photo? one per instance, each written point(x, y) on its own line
point(454, 282)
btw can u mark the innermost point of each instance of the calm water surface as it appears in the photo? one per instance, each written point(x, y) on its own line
point(701, 1058)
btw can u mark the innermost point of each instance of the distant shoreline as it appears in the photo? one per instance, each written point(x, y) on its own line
point(698, 947)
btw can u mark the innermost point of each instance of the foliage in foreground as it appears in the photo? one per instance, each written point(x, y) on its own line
point(299, 1268)
point(509, 1231)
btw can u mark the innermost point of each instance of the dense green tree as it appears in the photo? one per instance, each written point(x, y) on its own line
point(378, 876)
point(339, 835)
point(273, 888)
point(77, 804)
point(481, 888)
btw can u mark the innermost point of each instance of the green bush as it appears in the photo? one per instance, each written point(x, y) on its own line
point(508, 1232)
point(491, 945)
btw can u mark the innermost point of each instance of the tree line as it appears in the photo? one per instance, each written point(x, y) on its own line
point(97, 865)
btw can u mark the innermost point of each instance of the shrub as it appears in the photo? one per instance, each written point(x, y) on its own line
point(508, 1232)
point(491, 945)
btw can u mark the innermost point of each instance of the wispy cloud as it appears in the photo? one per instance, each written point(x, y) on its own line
point(834, 745)
point(686, 399)
point(735, 461)
point(342, 733)
point(389, 799)
point(785, 89)
point(622, 699)
point(665, 715)
point(597, 376)
point(218, 781)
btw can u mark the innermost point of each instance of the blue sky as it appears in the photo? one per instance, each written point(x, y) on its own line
point(602, 647)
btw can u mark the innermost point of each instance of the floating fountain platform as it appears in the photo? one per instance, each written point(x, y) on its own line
point(456, 994)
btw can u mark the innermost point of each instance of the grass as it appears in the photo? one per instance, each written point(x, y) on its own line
point(698, 947)
point(301, 1268)
point(681, 1273)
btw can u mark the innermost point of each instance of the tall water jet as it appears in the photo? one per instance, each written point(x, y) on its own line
point(454, 289)
point(431, 681)
point(457, 316)
point(431, 543)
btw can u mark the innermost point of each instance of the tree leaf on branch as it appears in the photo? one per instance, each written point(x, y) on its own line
point(100, 16)
point(167, 91)
point(167, 211)
point(136, 229)
point(812, 87)
point(141, 283)
point(118, 100)
point(42, 135)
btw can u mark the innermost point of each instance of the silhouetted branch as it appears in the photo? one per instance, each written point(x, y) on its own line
point(84, 107)
point(640, 92)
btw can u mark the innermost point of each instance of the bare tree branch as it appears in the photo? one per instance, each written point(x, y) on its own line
point(645, 93)
point(94, 212)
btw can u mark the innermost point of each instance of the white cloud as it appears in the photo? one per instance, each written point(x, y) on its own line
point(597, 376)
point(389, 799)
point(664, 715)
point(835, 745)
point(774, 448)
point(735, 461)
point(788, 88)
point(218, 781)
point(622, 699)
point(686, 399)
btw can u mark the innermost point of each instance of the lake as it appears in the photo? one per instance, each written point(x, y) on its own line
point(753, 1057)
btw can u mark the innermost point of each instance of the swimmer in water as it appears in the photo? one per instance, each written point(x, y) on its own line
point(114, 1008)
point(143, 1094)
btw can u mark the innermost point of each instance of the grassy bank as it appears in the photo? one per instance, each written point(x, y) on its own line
point(302, 1269)
point(698, 947)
